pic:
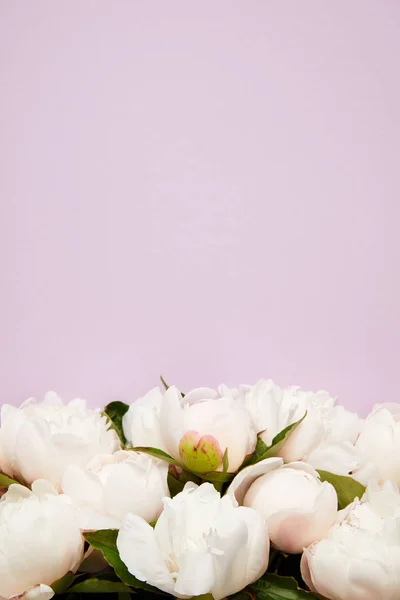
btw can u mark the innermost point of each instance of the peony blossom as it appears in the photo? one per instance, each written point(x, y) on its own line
point(201, 544)
point(115, 485)
point(141, 423)
point(379, 445)
point(324, 439)
point(196, 429)
point(360, 558)
point(40, 440)
point(298, 507)
point(40, 541)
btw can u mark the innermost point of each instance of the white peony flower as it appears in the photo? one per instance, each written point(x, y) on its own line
point(196, 429)
point(40, 440)
point(360, 558)
point(141, 423)
point(115, 485)
point(324, 439)
point(298, 507)
point(379, 445)
point(40, 541)
point(201, 544)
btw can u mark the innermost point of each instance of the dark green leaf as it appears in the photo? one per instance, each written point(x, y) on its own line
point(280, 439)
point(177, 480)
point(225, 462)
point(61, 585)
point(6, 481)
point(347, 488)
point(216, 477)
point(99, 586)
point(157, 454)
point(262, 451)
point(275, 587)
point(115, 412)
point(165, 384)
point(105, 541)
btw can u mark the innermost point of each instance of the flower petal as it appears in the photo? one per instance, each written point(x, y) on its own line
point(138, 549)
point(243, 480)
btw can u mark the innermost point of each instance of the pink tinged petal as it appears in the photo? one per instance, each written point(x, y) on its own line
point(138, 549)
point(200, 453)
point(38, 592)
point(292, 530)
point(305, 570)
point(196, 574)
point(243, 480)
point(172, 421)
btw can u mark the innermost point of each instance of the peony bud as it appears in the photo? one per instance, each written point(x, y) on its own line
point(298, 507)
point(200, 453)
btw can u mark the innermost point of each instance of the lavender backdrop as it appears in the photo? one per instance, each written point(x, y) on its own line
point(207, 190)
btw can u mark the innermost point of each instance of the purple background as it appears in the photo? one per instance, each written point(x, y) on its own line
point(207, 190)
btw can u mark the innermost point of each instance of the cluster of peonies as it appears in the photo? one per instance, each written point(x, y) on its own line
point(201, 494)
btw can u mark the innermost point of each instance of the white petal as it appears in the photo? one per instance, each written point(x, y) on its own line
point(196, 573)
point(240, 544)
point(305, 437)
point(199, 394)
point(42, 487)
point(138, 549)
point(89, 519)
point(340, 458)
point(171, 421)
point(83, 487)
point(248, 475)
point(38, 592)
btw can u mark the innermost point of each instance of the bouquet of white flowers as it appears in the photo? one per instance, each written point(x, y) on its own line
point(255, 492)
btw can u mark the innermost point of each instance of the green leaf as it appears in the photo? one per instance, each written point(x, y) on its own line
point(115, 412)
point(225, 462)
point(99, 586)
point(262, 451)
point(165, 384)
point(157, 454)
point(6, 481)
point(347, 488)
point(216, 477)
point(275, 587)
point(61, 585)
point(280, 439)
point(106, 541)
point(177, 480)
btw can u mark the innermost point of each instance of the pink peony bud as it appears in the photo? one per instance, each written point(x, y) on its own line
point(200, 453)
